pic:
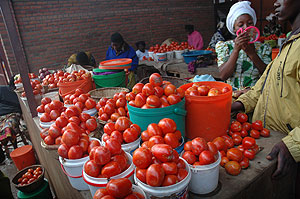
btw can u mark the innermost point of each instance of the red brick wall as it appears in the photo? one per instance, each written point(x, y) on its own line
point(52, 30)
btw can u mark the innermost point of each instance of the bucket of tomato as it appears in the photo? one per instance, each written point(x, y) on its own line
point(203, 159)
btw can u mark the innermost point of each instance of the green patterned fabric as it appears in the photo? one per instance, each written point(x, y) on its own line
point(246, 74)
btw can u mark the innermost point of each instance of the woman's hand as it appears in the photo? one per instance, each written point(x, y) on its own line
point(249, 49)
point(241, 40)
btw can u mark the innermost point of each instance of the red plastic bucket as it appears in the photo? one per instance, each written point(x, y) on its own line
point(23, 157)
point(70, 87)
point(207, 116)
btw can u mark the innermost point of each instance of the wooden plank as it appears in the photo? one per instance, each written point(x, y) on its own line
point(255, 182)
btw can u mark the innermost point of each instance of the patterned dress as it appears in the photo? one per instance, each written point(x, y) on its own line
point(246, 74)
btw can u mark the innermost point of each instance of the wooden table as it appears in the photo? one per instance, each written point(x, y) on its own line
point(255, 182)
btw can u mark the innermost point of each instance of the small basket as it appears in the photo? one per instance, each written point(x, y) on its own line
point(108, 92)
point(32, 186)
point(174, 80)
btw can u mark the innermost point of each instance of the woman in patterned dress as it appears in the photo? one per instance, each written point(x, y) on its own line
point(241, 63)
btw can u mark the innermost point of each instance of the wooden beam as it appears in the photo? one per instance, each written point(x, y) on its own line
point(16, 44)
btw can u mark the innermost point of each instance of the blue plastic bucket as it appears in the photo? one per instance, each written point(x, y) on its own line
point(192, 55)
point(144, 117)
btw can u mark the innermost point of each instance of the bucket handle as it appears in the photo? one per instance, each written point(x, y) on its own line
point(63, 169)
point(180, 111)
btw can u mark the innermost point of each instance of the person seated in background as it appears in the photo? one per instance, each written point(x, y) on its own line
point(84, 59)
point(222, 34)
point(194, 37)
point(120, 49)
point(10, 115)
point(241, 63)
point(141, 51)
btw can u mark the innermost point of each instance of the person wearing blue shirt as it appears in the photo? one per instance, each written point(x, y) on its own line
point(120, 49)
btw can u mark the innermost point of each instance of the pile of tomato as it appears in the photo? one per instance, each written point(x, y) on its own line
point(30, 75)
point(165, 132)
point(53, 80)
point(198, 89)
point(30, 176)
point(122, 130)
point(199, 152)
point(111, 109)
point(50, 110)
point(159, 166)
point(173, 46)
point(155, 94)
point(118, 188)
point(81, 100)
point(36, 86)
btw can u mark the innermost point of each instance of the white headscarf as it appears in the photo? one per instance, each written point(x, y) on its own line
point(238, 9)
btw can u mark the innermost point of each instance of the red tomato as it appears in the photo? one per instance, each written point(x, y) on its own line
point(92, 169)
point(257, 125)
point(173, 99)
point(110, 169)
point(153, 129)
point(141, 174)
point(130, 96)
point(119, 188)
point(122, 124)
point(171, 139)
point(199, 145)
point(170, 89)
point(153, 101)
point(213, 92)
point(121, 102)
point(180, 92)
point(117, 135)
point(102, 101)
point(140, 100)
point(162, 152)
point(83, 98)
point(170, 180)
point(177, 133)
point(244, 133)
point(75, 152)
point(206, 157)
point(145, 136)
point(246, 126)
point(45, 117)
point(56, 105)
point(70, 138)
point(249, 153)
point(100, 193)
point(71, 111)
point(256, 149)
point(234, 154)
point(180, 164)
point(170, 168)
point(84, 144)
point(244, 163)
point(188, 146)
point(236, 126)
point(135, 126)
point(61, 122)
point(265, 132)
point(155, 79)
point(121, 160)
point(233, 168)
point(84, 117)
point(225, 89)
point(54, 131)
point(212, 148)
point(75, 119)
point(155, 175)
point(137, 88)
point(148, 89)
point(114, 146)
point(157, 139)
point(255, 134)
point(224, 160)
point(142, 158)
point(203, 90)
point(158, 91)
point(220, 143)
point(130, 135)
point(242, 117)
point(237, 140)
point(109, 109)
point(182, 173)
point(49, 140)
point(248, 142)
point(104, 117)
point(229, 143)
point(46, 100)
point(40, 108)
point(102, 155)
point(121, 111)
point(91, 124)
point(189, 157)
point(109, 128)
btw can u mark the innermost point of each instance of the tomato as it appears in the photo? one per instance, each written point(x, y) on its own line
point(206, 157)
point(155, 175)
point(84, 144)
point(244, 133)
point(153, 101)
point(242, 117)
point(153, 129)
point(236, 126)
point(46, 100)
point(119, 188)
point(177, 133)
point(170, 168)
point(109, 128)
point(256, 149)
point(248, 142)
point(224, 160)
point(121, 102)
point(172, 140)
point(237, 140)
point(170, 89)
point(257, 125)
point(162, 152)
point(84, 117)
point(121, 160)
point(255, 134)
point(182, 173)
point(158, 91)
point(234, 154)
point(110, 169)
point(122, 124)
point(170, 180)
point(188, 146)
point(104, 117)
point(100, 193)
point(93, 143)
point(75, 119)
point(137, 88)
point(102, 101)
point(225, 89)
point(199, 145)
point(117, 135)
point(130, 96)
point(135, 126)
point(54, 131)
point(61, 121)
point(214, 92)
point(40, 109)
point(140, 100)
point(220, 143)
point(157, 139)
point(173, 99)
point(142, 157)
point(190, 157)
point(130, 135)
point(145, 136)
point(155, 79)
point(244, 163)
point(141, 174)
point(246, 126)
point(265, 132)
point(71, 111)
point(203, 90)
point(91, 124)
point(75, 152)
point(45, 117)
point(49, 140)
point(233, 168)
point(114, 146)
point(109, 109)
point(91, 168)
point(235, 134)
point(63, 151)
point(83, 98)
point(121, 111)
point(148, 89)
point(56, 105)
point(102, 155)
point(180, 164)
point(249, 153)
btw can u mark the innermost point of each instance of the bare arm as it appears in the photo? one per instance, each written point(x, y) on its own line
point(258, 63)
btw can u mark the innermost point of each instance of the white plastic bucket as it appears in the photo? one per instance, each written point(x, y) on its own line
point(73, 170)
point(45, 125)
point(178, 54)
point(52, 95)
point(151, 54)
point(129, 148)
point(100, 183)
point(170, 55)
point(178, 190)
point(161, 56)
point(91, 112)
point(205, 178)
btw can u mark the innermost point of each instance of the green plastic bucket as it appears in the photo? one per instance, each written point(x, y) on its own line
point(43, 192)
point(144, 117)
point(112, 80)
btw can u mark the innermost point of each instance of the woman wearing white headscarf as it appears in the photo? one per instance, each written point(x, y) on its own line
point(241, 63)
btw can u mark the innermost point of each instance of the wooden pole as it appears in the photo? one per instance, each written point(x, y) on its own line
point(16, 44)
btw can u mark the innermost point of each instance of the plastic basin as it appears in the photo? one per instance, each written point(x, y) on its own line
point(192, 55)
point(112, 80)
